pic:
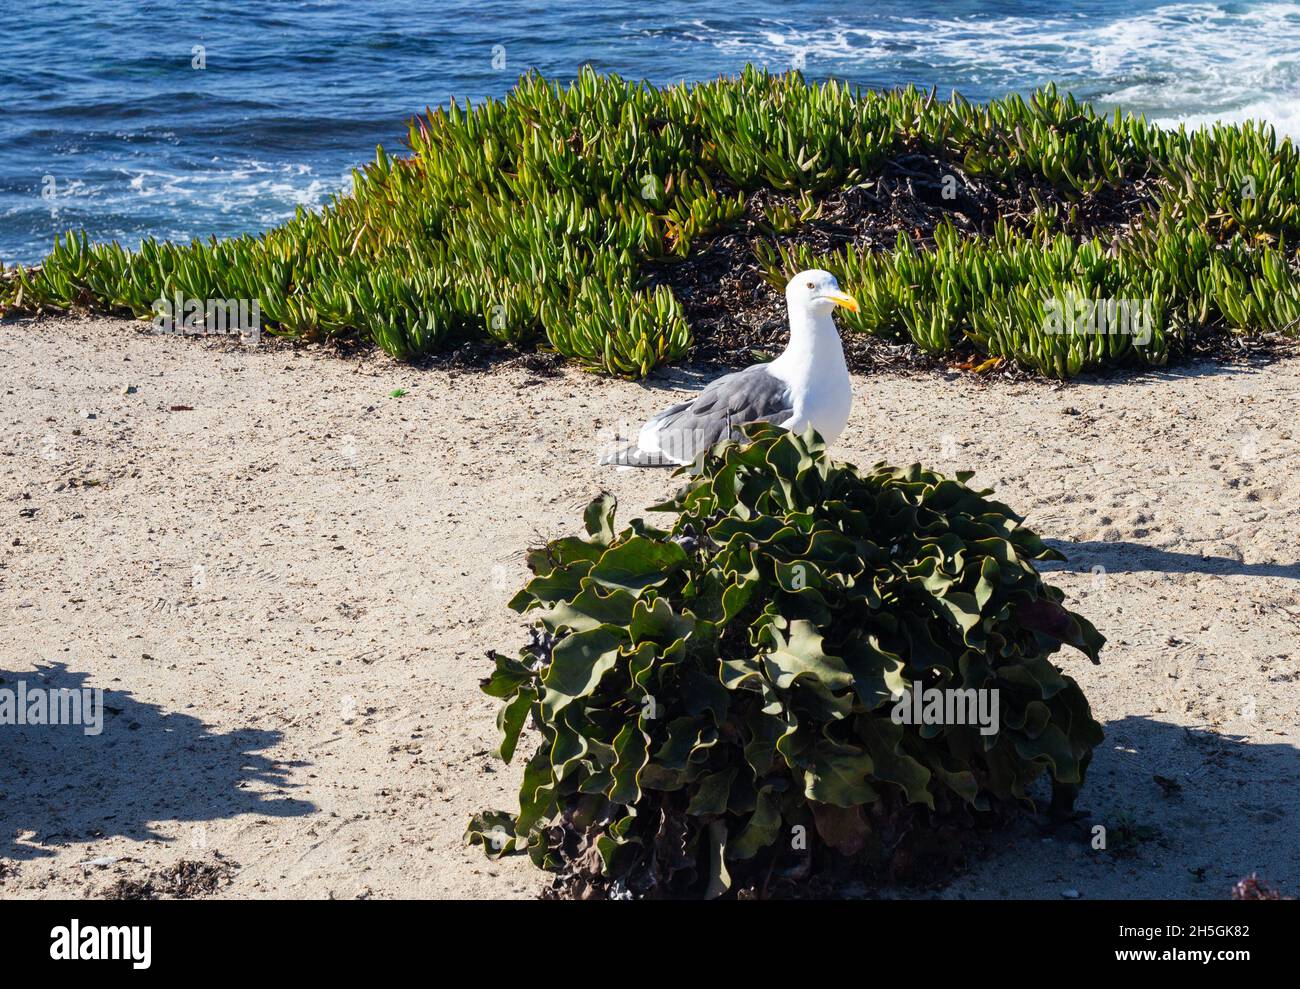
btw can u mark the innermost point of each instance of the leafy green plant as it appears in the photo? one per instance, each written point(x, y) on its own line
point(997, 294)
point(532, 219)
point(700, 689)
point(618, 331)
point(1054, 136)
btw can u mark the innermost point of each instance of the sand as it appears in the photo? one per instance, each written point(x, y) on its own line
point(284, 580)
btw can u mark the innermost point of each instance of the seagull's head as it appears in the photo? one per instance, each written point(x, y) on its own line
point(817, 291)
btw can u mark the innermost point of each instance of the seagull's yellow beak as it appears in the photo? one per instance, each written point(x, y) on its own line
point(843, 299)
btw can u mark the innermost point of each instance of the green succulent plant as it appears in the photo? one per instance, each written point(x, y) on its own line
point(506, 212)
point(708, 685)
point(617, 331)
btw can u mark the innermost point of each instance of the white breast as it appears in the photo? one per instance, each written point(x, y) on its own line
point(813, 366)
point(826, 407)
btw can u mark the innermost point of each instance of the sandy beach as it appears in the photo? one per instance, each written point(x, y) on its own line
point(284, 579)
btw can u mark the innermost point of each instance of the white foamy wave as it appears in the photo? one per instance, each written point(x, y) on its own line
point(1283, 115)
point(270, 193)
point(979, 46)
point(1194, 62)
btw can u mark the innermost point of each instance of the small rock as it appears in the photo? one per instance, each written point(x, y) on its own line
point(128, 389)
point(1070, 894)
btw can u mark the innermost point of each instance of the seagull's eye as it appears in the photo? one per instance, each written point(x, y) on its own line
point(811, 285)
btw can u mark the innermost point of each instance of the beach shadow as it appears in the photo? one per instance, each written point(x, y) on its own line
point(60, 786)
point(1200, 806)
point(1126, 557)
point(684, 377)
point(1182, 369)
point(1183, 812)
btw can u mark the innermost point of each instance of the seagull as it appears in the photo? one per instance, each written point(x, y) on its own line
point(808, 385)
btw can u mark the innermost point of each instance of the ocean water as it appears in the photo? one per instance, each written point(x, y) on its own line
point(183, 118)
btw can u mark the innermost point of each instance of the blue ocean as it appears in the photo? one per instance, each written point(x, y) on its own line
point(181, 119)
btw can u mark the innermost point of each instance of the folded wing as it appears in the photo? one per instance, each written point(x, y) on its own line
point(678, 434)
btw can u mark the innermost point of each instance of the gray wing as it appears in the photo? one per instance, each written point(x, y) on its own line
point(720, 410)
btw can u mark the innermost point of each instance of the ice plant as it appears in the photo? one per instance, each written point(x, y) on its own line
point(536, 221)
